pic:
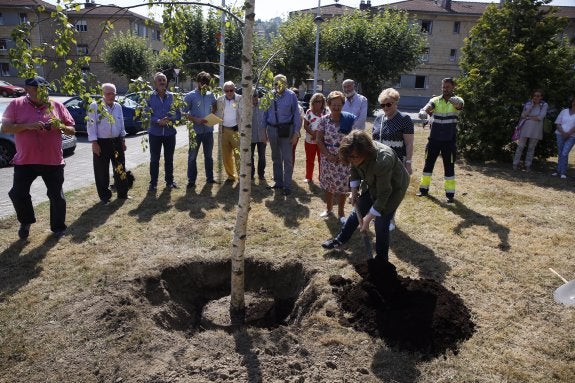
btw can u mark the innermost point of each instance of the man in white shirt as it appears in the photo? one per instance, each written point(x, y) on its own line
point(106, 133)
point(355, 104)
point(228, 109)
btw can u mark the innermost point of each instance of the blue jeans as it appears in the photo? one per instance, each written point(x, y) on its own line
point(282, 158)
point(381, 227)
point(169, 143)
point(207, 140)
point(564, 146)
point(53, 177)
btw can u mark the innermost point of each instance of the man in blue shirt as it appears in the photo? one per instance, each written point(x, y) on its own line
point(162, 132)
point(283, 126)
point(199, 103)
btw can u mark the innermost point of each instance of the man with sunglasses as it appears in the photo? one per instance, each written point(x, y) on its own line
point(444, 111)
point(228, 109)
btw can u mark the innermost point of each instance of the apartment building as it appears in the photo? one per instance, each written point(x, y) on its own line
point(445, 23)
point(90, 36)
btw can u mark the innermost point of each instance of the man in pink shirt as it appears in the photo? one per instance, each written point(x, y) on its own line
point(36, 123)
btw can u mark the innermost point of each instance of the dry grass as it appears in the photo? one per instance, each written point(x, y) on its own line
point(71, 310)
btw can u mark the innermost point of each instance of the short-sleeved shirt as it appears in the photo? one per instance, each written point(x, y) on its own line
point(566, 120)
point(37, 147)
point(390, 131)
point(198, 105)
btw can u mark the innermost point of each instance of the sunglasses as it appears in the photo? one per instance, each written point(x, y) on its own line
point(228, 90)
point(388, 105)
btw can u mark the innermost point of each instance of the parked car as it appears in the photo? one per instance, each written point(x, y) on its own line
point(9, 90)
point(75, 106)
point(8, 144)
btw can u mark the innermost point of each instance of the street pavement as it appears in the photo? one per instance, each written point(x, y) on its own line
point(79, 172)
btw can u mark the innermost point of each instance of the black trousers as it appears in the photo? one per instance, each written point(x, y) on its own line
point(261, 147)
point(112, 151)
point(53, 176)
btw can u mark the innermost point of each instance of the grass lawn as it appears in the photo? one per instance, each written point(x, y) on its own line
point(109, 302)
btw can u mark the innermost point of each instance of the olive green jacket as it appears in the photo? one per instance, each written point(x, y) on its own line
point(384, 177)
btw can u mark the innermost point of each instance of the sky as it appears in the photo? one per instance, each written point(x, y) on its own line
point(268, 9)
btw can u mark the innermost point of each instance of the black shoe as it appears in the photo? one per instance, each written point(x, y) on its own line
point(104, 201)
point(24, 231)
point(152, 189)
point(287, 192)
point(212, 181)
point(421, 193)
point(124, 196)
point(274, 186)
point(190, 185)
point(331, 244)
point(172, 185)
point(59, 233)
point(449, 199)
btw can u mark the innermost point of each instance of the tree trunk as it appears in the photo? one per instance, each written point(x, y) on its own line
point(237, 302)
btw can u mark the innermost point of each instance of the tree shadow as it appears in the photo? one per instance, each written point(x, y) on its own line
point(419, 255)
point(472, 218)
point(197, 203)
point(151, 205)
point(17, 269)
point(92, 218)
point(244, 347)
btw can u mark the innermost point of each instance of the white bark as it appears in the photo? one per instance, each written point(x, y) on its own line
point(237, 302)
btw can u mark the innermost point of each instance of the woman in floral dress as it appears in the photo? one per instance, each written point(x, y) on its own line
point(334, 175)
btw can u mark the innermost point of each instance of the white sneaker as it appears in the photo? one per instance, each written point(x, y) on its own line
point(326, 214)
point(563, 176)
point(392, 225)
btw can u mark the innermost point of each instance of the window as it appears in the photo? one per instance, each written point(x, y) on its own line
point(1, 19)
point(81, 26)
point(4, 69)
point(453, 55)
point(3, 45)
point(410, 81)
point(23, 18)
point(425, 54)
point(140, 30)
point(426, 26)
point(420, 82)
point(82, 49)
point(456, 27)
point(156, 35)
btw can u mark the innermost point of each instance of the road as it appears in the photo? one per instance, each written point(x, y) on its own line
point(78, 171)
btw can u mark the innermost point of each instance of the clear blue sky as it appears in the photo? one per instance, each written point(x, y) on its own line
point(267, 9)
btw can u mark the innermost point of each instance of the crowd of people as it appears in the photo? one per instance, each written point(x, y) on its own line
point(369, 170)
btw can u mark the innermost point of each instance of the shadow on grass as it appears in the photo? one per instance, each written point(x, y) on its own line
point(18, 269)
point(151, 205)
point(385, 366)
point(288, 207)
point(472, 218)
point(197, 203)
point(92, 218)
point(419, 255)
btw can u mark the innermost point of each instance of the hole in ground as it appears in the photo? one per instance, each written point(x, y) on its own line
point(196, 296)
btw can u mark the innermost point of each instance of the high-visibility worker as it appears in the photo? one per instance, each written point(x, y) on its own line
point(444, 111)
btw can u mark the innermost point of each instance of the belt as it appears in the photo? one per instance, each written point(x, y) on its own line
point(234, 128)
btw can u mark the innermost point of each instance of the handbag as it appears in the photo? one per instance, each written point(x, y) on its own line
point(517, 131)
point(284, 130)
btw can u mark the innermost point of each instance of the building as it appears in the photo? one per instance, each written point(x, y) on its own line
point(446, 23)
point(90, 36)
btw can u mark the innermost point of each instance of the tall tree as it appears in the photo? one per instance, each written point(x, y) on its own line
point(371, 49)
point(128, 55)
point(294, 48)
point(512, 50)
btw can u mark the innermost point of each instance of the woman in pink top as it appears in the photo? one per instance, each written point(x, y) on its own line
point(310, 124)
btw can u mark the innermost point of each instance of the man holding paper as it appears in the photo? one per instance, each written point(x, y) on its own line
point(199, 104)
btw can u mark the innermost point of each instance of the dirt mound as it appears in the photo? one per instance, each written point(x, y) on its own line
point(414, 315)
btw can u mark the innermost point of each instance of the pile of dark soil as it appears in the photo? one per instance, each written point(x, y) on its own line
point(414, 315)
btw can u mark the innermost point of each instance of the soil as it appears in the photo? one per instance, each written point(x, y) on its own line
point(412, 315)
